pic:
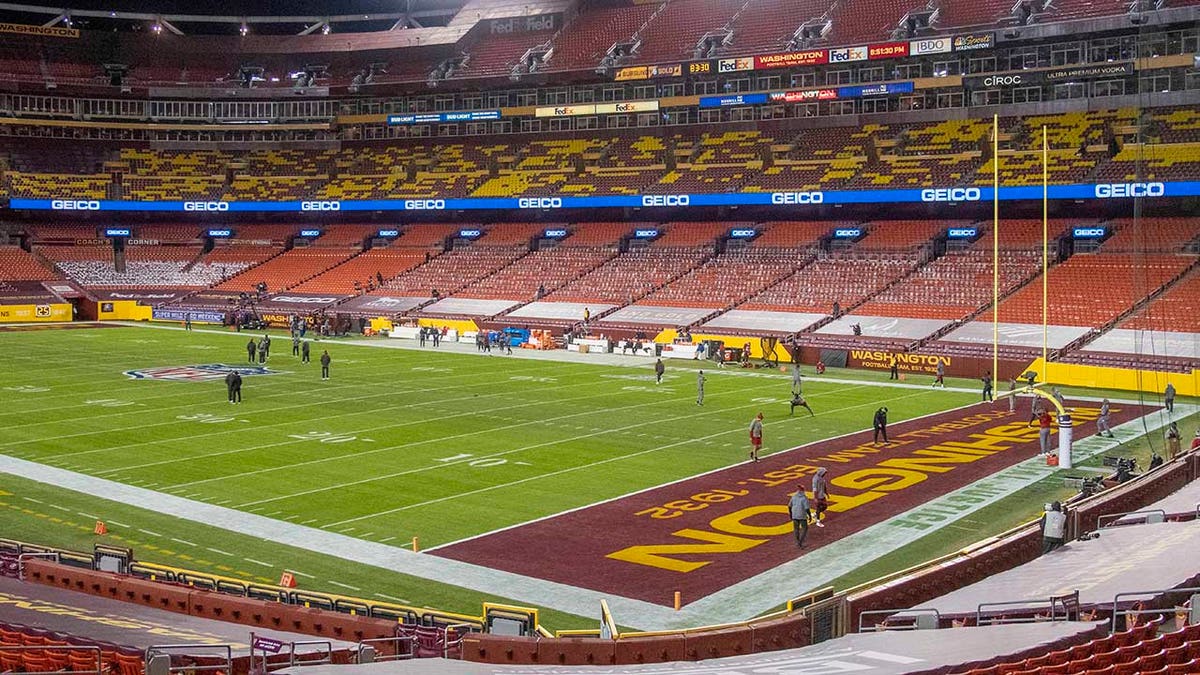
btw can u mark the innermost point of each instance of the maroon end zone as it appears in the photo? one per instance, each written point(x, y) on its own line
point(707, 533)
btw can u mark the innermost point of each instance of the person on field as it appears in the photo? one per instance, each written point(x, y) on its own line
point(798, 510)
point(1012, 394)
point(1102, 427)
point(1169, 397)
point(820, 495)
point(659, 369)
point(1054, 527)
point(987, 386)
point(1058, 396)
point(756, 431)
point(304, 348)
point(1174, 440)
point(941, 375)
point(797, 384)
point(1044, 421)
point(325, 360)
point(798, 401)
point(266, 340)
point(229, 385)
point(700, 379)
point(251, 349)
point(187, 321)
point(237, 387)
point(894, 368)
point(295, 343)
point(879, 423)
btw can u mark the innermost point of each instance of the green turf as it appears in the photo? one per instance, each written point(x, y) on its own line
point(399, 443)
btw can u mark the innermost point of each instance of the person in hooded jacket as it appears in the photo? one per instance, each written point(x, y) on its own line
point(820, 492)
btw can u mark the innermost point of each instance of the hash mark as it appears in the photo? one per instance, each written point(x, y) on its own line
point(257, 562)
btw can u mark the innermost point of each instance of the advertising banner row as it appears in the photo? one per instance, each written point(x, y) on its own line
point(814, 57)
point(803, 95)
point(28, 313)
point(952, 195)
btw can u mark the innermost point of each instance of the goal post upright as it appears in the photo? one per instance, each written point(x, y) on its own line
point(1045, 252)
point(995, 246)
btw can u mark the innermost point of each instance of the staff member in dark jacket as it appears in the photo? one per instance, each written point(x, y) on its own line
point(251, 348)
point(880, 425)
point(304, 351)
point(229, 385)
point(237, 387)
point(325, 365)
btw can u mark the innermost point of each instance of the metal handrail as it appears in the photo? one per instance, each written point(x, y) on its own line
point(191, 651)
point(892, 612)
point(22, 557)
point(1053, 602)
point(1117, 611)
point(462, 629)
point(1118, 516)
point(327, 659)
point(397, 640)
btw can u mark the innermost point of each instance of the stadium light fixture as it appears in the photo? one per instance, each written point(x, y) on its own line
point(244, 29)
point(326, 30)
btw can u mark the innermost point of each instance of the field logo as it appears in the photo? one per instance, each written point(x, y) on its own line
point(201, 373)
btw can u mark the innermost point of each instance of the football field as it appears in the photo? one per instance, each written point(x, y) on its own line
point(445, 446)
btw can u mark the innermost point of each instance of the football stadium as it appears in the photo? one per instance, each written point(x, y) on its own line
point(600, 336)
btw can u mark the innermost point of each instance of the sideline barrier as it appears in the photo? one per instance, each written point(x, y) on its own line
point(1124, 379)
point(123, 310)
point(35, 313)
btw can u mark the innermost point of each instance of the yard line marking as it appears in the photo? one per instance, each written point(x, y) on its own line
point(598, 462)
point(31, 499)
point(338, 416)
point(300, 574)
point(340, 458)
point(148, 532)
point(310, 520)
point(182, 541)
point(60, 508)
point(257, 562)
point(87, 515)
point(338, 583)
point(113, 522)
point(273, 513)
point(384, 541)
point(223, 501)
point(321, 401)
point(443, 439)
point(393, 598)
point(219, 552)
